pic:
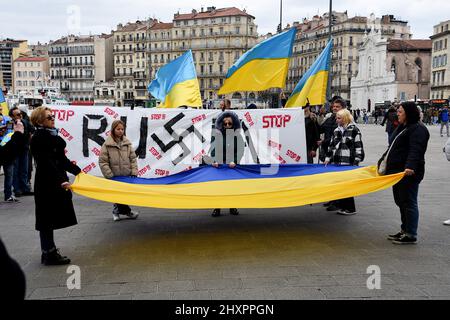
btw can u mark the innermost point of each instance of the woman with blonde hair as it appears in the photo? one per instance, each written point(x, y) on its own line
point(346, 149)
point(52, 195)
point(117, 158)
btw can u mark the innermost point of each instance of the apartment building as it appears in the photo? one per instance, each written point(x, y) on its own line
point(30, 73)
point(440, 71)
point(10, 50)
point(76, 62)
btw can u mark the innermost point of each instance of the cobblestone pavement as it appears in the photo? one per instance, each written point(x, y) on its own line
point(291, 253)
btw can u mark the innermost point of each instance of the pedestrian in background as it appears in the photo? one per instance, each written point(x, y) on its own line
point(117, 158)
point(346, 149)
point(391, 121)
point(11, 142)
point(312, 134)
point(443, 117)
point(20, 180)
point(52, 195)
point(447, 153)
point(407, 154)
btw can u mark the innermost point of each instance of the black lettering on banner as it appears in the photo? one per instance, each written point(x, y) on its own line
point(177, 139)
point(250, 143)
point(141, 150)
point(93, 134)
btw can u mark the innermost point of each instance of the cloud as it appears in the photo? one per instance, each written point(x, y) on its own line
point(45, 20)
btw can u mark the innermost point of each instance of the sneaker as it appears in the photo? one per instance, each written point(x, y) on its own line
point(132, 215)
point(234, 212)
point(116, 217)
point(12, 199)
point(395, 236)
point(215, 213)
point(404, 239)
point(447, 223)
point(332, 208)
point(346, 212)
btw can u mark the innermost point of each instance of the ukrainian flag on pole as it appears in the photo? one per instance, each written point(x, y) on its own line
point(313, 85)
point(176, 83)
point(3, 103)
point(262, 67)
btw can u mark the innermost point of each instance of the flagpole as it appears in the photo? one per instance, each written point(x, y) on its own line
point(280, 30)
point(331, 60)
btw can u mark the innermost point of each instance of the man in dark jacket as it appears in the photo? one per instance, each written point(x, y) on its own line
point(11, 142)
point(407, 154)
point(329, 125)
point(312, 135)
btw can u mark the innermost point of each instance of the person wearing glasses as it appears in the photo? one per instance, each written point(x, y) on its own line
point(20, 180)
point(228, 146)
point(52, 195)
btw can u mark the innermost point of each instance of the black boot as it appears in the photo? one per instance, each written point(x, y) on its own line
point(53, 258)
point(234, 211)
point(216, 213)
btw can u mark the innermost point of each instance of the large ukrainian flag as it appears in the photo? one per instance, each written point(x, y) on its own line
point(242, 187)
point(313, 85)
point(176, 83)
point(264, 66)
point(3, 103)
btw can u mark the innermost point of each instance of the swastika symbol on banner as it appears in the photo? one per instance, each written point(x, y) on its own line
point(177, 139)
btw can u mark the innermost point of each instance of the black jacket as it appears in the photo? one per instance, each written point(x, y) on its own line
point(13, 282)
point(54, 208)
point(312, 134)
point(327, 128)
point(10, 150)
point(408, 150)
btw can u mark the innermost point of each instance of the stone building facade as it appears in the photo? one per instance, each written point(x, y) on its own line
point(10, 50)
point(30, 73)
point(76, 62)
point(391, 70)
point(440, 72)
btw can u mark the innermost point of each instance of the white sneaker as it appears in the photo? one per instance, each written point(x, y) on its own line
point(116, 217)
point(133, 215)
point(447, 223)
point(346, 212)
point(12, 199)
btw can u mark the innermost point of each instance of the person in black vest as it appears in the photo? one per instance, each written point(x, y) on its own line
point(407, 154)
point(52, 195)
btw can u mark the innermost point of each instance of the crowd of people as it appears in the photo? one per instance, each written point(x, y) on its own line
point(333, 138)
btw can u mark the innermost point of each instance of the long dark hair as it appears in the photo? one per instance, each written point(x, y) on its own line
point(412, 112)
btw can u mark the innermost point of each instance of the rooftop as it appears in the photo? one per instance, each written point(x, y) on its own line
point(211, 12)
point(30, 59)
point(400, 45)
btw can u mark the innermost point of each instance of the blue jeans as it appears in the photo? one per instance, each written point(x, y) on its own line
point(20, 181)
point(8, 170)
point(405, 196)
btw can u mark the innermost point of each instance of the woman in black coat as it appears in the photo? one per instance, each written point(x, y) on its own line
point(407, 153)
point(53, 198)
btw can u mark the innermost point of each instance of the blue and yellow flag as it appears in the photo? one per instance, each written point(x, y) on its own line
point(3, 103)
point(176, 83)
point(313, 85)
point(243, 187)
point(262, 67)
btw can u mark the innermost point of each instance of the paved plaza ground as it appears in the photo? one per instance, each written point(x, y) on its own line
point(291, 253)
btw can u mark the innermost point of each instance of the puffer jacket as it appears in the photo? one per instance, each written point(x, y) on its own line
point(118, 159)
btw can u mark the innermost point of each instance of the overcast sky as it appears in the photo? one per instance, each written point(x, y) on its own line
point(44, 20)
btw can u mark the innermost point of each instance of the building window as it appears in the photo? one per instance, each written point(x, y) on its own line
point(238, 29)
